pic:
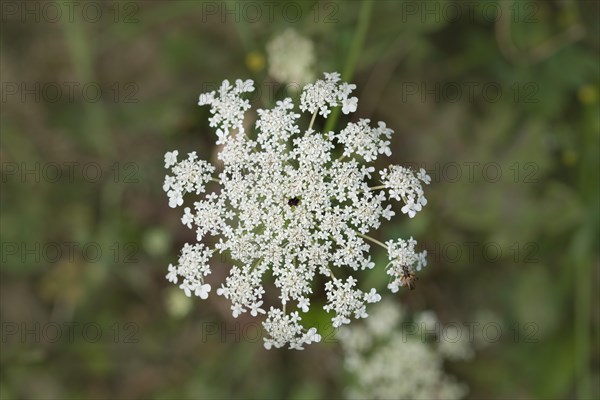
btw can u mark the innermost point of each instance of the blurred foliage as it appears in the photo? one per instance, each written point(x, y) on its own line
point(541, 134)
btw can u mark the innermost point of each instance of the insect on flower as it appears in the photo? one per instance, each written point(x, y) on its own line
point(408, 277)
point(293, 202)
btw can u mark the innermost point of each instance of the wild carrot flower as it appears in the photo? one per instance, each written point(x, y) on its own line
point(389, 357)
point(291, 58)
point(287, 208)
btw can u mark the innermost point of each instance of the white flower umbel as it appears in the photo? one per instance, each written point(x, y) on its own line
point(291, 58)
point(392, 358)
point(285, 207)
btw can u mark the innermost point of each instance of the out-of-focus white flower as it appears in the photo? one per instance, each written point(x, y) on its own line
point(291, 58)
point(177, 303)
point(427, 321)
point(287, 208)
point(386, 362)
point(454, 343)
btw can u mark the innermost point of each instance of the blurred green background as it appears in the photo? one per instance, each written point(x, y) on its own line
point(499, 101)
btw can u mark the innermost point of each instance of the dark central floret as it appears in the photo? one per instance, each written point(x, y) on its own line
point(293, 202)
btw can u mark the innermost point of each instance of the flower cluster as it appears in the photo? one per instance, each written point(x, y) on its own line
point(406, 186)
point(190, 176)
point(402, 255)
point(293, 205)
point(391, 358)
point(365, 141)
point(291, 58)
point(324, 94)
point(192, 266)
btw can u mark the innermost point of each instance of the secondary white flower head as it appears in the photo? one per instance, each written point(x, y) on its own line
point(287, 206)
point(291, 58)
point(390, 358)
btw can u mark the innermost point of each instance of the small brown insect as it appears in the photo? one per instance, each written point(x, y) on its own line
point(408, 277)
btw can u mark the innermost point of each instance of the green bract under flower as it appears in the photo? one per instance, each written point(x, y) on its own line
point(288, 209)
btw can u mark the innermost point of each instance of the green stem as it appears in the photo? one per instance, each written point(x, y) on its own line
point(355, 50)
point(96, 130)
point(373, 240)
point(331, 272)
point(377, 187)
point(312, 120)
